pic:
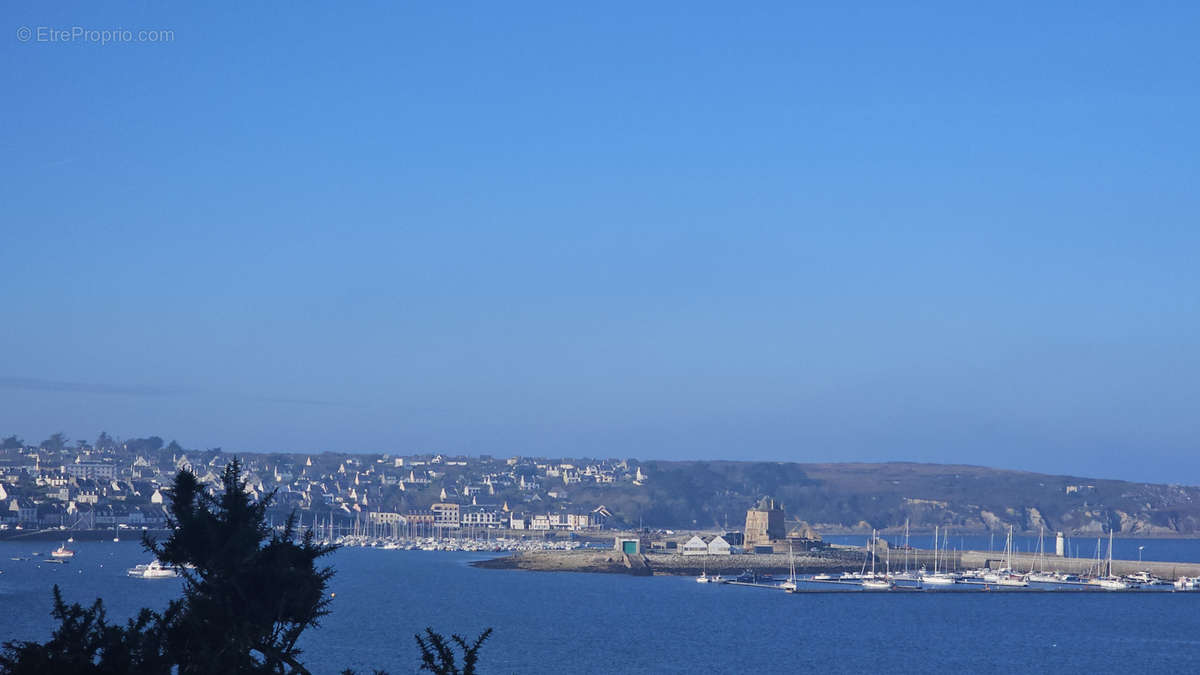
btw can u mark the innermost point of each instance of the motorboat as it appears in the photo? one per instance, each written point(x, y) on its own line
point(153, 570)
point(62, 552)
point(1187, 583)
point(1144, 578)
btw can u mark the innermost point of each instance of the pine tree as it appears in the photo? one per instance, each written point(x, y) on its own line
point(249, 594)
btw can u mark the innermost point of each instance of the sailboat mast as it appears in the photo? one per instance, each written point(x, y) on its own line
point(935, 549)
point(1110, 542)
point(874, 548)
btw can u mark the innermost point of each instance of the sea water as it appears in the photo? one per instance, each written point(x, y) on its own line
point(599, 623)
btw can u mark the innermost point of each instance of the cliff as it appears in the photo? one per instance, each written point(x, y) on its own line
point(859, 497)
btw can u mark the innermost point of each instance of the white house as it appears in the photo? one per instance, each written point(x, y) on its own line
point(695, 546)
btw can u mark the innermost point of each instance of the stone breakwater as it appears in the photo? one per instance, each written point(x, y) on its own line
point(613, 562)
point(836, 560)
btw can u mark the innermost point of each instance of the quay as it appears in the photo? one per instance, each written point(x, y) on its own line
point(835, 560)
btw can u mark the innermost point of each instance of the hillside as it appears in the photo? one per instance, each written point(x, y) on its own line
point(858, 497)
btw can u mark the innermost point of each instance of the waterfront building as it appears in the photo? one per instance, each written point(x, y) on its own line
point(630, 546)
point(383, 518)
point(695, 546)
point(718, 546)
point(446, 514)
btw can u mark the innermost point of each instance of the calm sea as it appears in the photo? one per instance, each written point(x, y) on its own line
point(593, 623)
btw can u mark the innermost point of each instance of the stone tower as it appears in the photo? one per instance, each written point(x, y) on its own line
point(764, 523)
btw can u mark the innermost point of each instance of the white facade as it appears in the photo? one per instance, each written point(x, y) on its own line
point(695, 546)
point(718, 546)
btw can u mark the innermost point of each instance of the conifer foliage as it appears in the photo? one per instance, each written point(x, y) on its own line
point(249, 593)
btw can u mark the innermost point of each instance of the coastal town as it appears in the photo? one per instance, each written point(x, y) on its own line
point(522, 506)
point(113, 485)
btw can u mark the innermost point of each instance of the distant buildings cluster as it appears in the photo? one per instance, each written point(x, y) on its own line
point(128, 485)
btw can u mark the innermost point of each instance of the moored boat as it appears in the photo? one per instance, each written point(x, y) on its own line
point(1012, 580)
point(153, 570)
point(1111, 584)
point(939, 579)
point(62, 552)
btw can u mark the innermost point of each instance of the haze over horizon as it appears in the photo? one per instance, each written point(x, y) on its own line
point(942, 234)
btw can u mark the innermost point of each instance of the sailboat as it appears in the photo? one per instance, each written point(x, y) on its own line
point(1109, 582)
point(908, 574)
point(1007, 575)
point(791, 583)
point(938, 578)
point(874, 583)
point(1037, 570)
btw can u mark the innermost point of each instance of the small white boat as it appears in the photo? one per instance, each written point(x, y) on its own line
point(939, 580)
point(1044, 578)
point(1144, 577)
point(1012, 580)
point(877, 584)
point(153, 570)
point(62, 552)
point(1187, 583)
point(704, 579)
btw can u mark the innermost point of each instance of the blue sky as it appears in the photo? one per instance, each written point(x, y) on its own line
point(790, 232)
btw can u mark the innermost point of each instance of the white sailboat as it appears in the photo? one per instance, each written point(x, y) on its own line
point(705, 577)
point(874, 583)
point(907, 574)
point(791, 583)
point(1109, 582)
point(1037, 570)
point(937, 578)
point(1006, 575)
